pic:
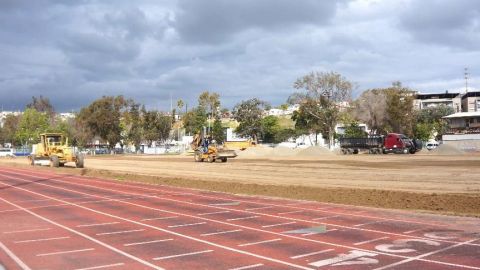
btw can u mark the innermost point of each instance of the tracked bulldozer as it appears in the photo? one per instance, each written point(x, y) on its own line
point(53, 150)
point(207, 149)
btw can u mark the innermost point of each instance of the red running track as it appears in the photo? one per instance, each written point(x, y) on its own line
point(59, 221)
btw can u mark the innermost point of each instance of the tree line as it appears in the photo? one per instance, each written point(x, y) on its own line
point(322, 98)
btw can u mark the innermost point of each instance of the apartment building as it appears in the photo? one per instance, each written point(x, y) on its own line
point(453, 100)
point(471, 102)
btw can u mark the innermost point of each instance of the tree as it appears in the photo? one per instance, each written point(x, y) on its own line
point(306, 123)
point(270, 128)
point(194, 120)
point(210, 103)
point(249, 114)
point(133, 125)
point(10, 127)
point(322, 93)
point(32, 124)
point(423, 131)
point(400, 111)
point(371, 108)
point(81, 134)
point(283, 135)
point(431, 121)
point(103, 118)
point(164, 126)
point(218, 131)
point(353, 130)
point(43, 105)
point(180, 105)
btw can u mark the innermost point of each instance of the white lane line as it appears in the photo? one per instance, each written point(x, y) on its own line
point(312, 253)
point(41, 240)
point(138, 223)
point(247, 267)
point(135, 184)
point(258, 256)
point(312, 233)
point(242, 218)
point(420, 257)
point(213, 213)
point(42, 200)
point(14, 257)
point(97, 224)
point(76, 232)
point(145, 186)
point(65, 252)
point(158, 218)
point(147, 242)
point(258, 208)
point(279, 224)
point(320, 218)
point(260, 242)
point(222, 232)
point(290, 212)
point(32, 230)
point(370, 241)
point(182, 255)
point(297, 203)
point(225, 204)
point(101, 266)
point(186, 225)
point(120, 232)
point(368, 223)
point(412, 231)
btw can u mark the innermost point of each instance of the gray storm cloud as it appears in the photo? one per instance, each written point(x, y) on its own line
point(76, 51)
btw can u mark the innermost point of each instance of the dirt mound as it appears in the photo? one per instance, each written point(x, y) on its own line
point(445, 149)
point(314, 151)
point(284, 151)
point(257, 151)
point(266, 151)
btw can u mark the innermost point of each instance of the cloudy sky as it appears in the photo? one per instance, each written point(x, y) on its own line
point(74, 51)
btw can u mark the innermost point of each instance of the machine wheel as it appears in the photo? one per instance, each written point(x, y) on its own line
point(344, 151)
point(198, 157)
point(224, 159)
point(211, 159)
point(412, 150)
point(54, 162)
point(79, 161)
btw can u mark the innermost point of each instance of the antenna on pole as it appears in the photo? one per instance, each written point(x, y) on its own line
point(466, 80)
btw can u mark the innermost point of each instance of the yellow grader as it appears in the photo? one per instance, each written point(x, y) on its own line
point(207, 149)
point(53, 150)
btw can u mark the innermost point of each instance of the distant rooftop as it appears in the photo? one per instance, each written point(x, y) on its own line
point(472, 94)
point(437, 95)
point(463, 114)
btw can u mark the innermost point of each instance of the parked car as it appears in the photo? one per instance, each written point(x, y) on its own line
point(431, 145)
point(6, 152)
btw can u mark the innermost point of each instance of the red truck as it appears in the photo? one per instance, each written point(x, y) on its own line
point(392, 143)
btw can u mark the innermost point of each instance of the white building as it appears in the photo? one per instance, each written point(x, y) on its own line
point(281, 112)
point(453, 100)
point(4, 114)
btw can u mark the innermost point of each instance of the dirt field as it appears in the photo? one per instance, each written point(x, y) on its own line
point(436, 183)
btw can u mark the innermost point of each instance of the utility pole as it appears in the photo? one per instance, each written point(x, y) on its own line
point(466, 80)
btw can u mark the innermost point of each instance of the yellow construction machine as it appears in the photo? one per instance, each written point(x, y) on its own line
point(53, 150)
point(207, 149)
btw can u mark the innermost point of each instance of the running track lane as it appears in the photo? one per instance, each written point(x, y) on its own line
point(183, 228)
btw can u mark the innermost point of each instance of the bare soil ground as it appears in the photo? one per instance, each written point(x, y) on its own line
point(447, 184)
